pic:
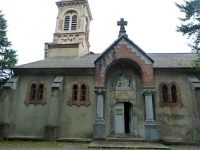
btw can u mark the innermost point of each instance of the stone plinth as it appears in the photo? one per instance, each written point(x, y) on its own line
point(51, 133)
point(151, 131)
point(4, 130)
point(99, 131)
point(150, 127)
point(99, 126)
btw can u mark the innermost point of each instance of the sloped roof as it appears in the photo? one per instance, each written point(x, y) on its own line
point(161, 60)
point(172, 60)
point(86, 61)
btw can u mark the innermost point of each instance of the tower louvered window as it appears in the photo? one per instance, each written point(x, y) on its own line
point(74, 22)
point(70, 21)
point(67, 22)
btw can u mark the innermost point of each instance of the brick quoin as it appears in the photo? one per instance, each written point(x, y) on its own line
point(60, 24)
point(123, 52)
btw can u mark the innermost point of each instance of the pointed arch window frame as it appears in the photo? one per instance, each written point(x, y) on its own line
point(37, 99)
point(79, 100)
point(170, 95)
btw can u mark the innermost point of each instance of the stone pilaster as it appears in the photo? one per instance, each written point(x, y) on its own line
point(99, 126)
point(195, 97)
point(150, 126)
point(52, 128)
point(7, 110)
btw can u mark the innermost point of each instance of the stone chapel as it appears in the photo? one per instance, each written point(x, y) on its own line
point(122, 92)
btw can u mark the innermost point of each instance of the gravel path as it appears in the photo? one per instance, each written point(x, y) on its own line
point(185, 147)
point(84, 147)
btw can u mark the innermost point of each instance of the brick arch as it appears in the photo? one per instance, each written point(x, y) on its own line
point(66, 11)
point(127, 61)
point(123, 52)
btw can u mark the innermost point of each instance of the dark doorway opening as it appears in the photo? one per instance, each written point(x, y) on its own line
point(127, 108)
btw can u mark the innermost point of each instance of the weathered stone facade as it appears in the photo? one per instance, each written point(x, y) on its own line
point(123, 91)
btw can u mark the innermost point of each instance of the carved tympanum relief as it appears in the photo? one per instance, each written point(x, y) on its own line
point(123, 83)
point(124, 86)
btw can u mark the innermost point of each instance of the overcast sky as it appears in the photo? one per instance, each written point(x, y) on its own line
point(151, 25)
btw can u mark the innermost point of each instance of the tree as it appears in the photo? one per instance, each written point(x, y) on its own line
point(191, 25)
point(8, 57)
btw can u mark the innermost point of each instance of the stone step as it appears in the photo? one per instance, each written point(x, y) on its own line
point(63, 139)
point(125, 139)
point(36, 138)
point(128, 145)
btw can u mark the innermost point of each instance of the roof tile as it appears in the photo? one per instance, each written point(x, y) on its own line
point(161, 60)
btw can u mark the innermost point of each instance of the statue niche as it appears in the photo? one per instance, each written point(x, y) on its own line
point(124, 86)
point(123, 83)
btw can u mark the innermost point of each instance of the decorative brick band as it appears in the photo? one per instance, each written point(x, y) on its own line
point(123, 52)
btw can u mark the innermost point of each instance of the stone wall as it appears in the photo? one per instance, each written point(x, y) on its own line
point(77, 121)
point(175, 123)
point(73, 121)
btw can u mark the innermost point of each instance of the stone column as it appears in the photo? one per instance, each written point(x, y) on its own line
point(150, 126)
point(99, 126)
point(52, 128)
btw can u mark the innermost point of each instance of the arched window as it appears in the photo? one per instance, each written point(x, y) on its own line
point(165, 93)
point(70, 21)
point(83, 92)
point(74, 22)
point(174, 96)
point(36, 93)
point(75, 92)
point(170, 95)
point(79, 94)
point(41, 92)
point(66, 23)
point(33, 92)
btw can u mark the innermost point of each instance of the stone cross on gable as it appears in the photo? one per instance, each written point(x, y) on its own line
point(122, 23)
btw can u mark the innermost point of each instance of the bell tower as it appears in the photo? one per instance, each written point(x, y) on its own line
point(71, 37)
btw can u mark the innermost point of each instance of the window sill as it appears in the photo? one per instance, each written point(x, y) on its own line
point(171, 104)
point(78, 103)
point(35, 102)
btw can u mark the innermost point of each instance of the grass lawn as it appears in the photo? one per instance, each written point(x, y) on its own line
point(34, 144)
point(10, 145)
